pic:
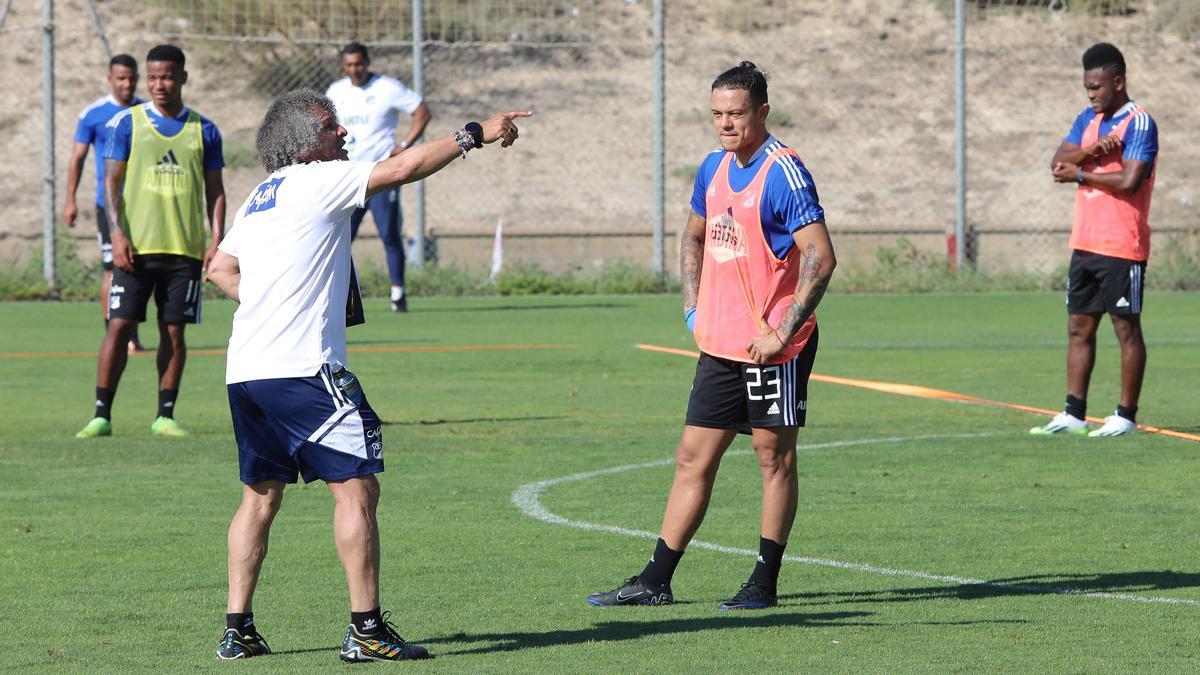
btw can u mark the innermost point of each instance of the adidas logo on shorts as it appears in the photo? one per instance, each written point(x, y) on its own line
point(774, 409)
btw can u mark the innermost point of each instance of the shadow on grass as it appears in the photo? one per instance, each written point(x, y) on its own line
point(476, 420)
point(1041, 584)
point(605, 631)
point(311, 650)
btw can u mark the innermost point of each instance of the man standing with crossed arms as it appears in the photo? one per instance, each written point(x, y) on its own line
point(1110, 154)
point(755, 261)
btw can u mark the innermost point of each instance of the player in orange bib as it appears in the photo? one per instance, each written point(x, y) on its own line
point(755, 259)
point(1110, 154)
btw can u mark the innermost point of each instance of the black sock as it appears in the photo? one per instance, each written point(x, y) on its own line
point(662, 565)
point(104, 399)
point(1129, 413)
point(770, 558)
point(1076, 407)
point(166, 402)
point(367, 622)
point(240, 622)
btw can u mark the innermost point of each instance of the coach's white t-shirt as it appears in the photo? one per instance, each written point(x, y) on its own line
point(370, 114)
point(292, 241)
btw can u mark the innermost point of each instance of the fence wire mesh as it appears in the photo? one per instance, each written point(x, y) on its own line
point(863, 89)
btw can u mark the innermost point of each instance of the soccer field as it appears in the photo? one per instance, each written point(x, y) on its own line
point(932, 535)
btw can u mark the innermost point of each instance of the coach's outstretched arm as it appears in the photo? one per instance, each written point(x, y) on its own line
point(819, 261)
point(428, 158)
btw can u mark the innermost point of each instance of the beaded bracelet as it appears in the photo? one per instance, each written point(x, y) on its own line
point(465, 141)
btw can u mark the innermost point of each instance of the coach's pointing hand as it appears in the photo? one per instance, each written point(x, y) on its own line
point(502, 128)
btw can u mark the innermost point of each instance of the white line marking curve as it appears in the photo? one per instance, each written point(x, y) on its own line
point(527, 499)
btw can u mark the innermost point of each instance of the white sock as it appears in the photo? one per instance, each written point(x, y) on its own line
point(397, 293)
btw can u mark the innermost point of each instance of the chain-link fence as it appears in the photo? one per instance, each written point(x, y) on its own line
point(864, 89)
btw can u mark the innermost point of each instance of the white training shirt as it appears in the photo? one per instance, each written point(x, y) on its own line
point(292, 241)
point(370, 114)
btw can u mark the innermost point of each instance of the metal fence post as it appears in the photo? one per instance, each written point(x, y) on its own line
point(48, 242)
point(960, 135)
point(657, 262)
point(99, 28)
point(418, 82)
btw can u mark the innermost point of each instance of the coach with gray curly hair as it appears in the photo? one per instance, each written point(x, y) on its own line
point(297, 411)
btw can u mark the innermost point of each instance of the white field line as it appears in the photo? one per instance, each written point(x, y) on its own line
point(527, 499)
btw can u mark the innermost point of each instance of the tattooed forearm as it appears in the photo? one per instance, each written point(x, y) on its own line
point(815, 274)
point(691, 259)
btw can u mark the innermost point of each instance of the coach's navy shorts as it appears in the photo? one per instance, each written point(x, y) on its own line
point(303, 426)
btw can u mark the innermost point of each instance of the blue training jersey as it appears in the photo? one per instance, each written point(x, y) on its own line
point(1141, 136)
point(93, 130)
point(790, 197)
point(121, 134)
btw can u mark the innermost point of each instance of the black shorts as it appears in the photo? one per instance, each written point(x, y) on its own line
point(1098, 283)
point(735, 395)
point(104, 238)
point(173, 280)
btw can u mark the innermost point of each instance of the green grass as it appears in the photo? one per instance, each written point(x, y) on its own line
point(112, 552)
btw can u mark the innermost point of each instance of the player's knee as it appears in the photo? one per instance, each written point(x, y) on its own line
point(689, 461)
point(773, 460)
point(358, 493)
point(1080, 330)
point(262, 504)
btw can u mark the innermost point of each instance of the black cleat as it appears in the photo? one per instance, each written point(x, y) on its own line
point(238, 645)
point(752, 596)
point(382, 645)
point(634, 592)
point(400, 305)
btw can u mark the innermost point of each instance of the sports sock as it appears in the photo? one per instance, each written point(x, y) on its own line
point(367, 622)
point(662, 565)
point(1076, 407)
point(166, 402)
point(397, 293)
point(770, 559)
point(1129, 413)
point(240, 622)
point(104, 399)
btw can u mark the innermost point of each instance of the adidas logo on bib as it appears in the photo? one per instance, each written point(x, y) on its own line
point(774, 409)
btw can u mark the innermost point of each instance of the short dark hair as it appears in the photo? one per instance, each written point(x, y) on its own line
point(355, 48)
point(1104, 55)
point(123, 60)
point(168, 53)
point(744, 75)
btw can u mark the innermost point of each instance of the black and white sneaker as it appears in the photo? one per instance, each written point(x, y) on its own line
point(752, 596)
point(634, 592)
point(241, 645)
point(400, 306)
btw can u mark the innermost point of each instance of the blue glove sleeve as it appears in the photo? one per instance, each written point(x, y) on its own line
point(689, 318)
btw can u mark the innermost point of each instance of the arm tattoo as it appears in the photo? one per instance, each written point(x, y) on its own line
point(809, 291)
point(691, 259)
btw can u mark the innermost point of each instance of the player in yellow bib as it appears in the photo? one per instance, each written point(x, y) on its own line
point(163, 176)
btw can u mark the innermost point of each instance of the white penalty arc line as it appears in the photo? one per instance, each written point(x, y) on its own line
point(527, 499)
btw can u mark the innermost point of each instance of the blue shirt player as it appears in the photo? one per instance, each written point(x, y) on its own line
point(93, 130)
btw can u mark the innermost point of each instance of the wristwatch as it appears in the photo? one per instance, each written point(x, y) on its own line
point(476, 131)
point(1079, 176)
